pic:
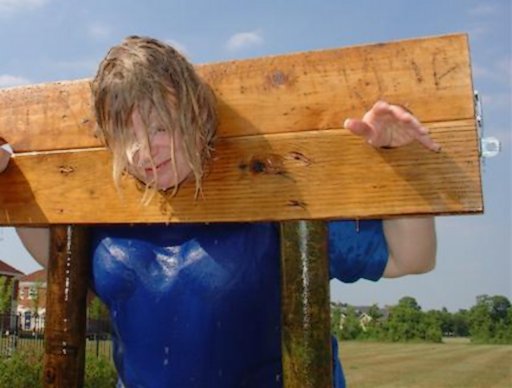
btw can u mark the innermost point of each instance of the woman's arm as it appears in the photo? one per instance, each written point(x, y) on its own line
point(36, 240)
point(411, 244)
point(411, 241)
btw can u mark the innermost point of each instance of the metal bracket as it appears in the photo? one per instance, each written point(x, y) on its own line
point(489, 145)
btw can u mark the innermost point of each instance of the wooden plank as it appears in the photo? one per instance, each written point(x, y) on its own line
point(296, 92)
point(281, 153)
point(306, 175)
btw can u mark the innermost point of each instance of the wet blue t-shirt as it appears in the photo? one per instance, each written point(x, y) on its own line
point(198, 305)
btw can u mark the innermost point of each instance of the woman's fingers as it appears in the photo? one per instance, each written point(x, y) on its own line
point(359, 128)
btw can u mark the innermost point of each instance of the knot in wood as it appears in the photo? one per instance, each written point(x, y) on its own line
point(49, 375)
point(267, 164)
point(277, 78)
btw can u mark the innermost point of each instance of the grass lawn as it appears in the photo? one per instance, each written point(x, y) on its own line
point(455, 363)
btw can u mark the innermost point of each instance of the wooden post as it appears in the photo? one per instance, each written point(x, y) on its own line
point(68, 276)
point(306, 338)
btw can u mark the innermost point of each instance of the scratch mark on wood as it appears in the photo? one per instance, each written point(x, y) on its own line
point(438, 76)
point(417, 71)
point(378, 79)
point(295, 155)
point(66, 170)
point(297, 203)
point(450, 70)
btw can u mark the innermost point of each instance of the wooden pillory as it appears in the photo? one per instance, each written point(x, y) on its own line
point(282, 155)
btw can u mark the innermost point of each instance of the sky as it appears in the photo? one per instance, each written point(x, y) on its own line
point(52, 40)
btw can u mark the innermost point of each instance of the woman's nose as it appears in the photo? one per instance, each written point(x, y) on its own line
point(146, 154)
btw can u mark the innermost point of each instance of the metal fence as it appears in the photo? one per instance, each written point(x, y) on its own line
point(26, 332)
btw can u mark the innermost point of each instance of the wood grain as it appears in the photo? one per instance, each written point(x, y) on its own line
point(312, 174)
point(65, 325)
point(287, 93)
point(281, 154)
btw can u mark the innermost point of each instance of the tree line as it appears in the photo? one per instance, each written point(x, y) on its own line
point(488, 321)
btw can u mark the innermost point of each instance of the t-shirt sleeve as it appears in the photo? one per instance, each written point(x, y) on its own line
point(357, 250)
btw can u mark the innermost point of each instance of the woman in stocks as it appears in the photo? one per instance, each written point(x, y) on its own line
point(198, 305)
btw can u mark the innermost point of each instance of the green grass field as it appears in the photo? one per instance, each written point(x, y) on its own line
point(455, 363)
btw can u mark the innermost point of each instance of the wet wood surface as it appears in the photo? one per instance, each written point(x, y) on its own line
point(306, 329)
point(281, 153)
point(273, 94)
point(307, 175)
point(65, 322)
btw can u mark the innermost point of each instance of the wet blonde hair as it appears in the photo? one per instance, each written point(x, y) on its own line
point(146, 74)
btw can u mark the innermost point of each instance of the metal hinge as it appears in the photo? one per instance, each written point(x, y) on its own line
point(489, 145)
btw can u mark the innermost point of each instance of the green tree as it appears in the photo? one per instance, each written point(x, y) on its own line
point(374, 326)
point(499, 307)
point(490, 320)
point(480, 324)
point(335, 320)
point(431, 326)
point(460, 322)
point(351, 328)
point(446, 322)
point(36, 297)
point(97, 309)
point(6, 290)
point(374, 312)
point(404, 321)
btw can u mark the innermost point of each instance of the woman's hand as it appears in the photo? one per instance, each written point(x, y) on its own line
point(389, 126)
point(412, 240)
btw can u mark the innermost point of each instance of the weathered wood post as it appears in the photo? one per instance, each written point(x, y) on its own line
point(68, 278)
point(306, 332)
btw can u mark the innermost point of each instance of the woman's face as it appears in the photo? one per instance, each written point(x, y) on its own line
point(158, 158)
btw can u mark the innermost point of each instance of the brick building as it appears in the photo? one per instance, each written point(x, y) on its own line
point(32, 300)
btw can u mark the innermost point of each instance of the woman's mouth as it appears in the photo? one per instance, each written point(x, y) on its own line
point(157, 167)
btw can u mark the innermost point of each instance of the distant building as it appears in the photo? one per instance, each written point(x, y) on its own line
point(32, 300)
point(362, 314)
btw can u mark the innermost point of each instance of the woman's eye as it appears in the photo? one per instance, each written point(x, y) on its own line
point(156, 130)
